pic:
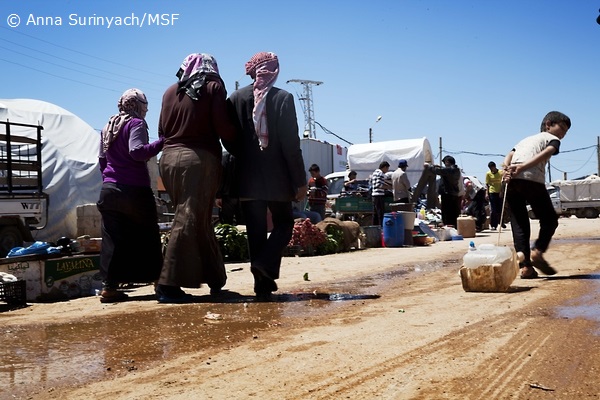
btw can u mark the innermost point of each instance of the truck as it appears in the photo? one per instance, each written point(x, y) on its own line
point(579, 197)
point(328, 156)
point(23, 203)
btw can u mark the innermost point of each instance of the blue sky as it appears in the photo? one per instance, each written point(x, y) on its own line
point(478, 74)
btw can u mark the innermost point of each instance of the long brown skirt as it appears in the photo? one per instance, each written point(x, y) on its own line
point(191, 177)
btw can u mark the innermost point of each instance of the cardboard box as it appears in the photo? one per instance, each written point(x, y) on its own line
point(89, 245)
point(53, 279)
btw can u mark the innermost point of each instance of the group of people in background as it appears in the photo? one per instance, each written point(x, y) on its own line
point(519, 184)
point(257, 125)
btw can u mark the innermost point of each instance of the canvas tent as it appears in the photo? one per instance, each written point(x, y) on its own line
point(365, 158)
point(70, 173)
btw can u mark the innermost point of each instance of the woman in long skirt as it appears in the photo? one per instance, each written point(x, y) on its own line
point(131, 247)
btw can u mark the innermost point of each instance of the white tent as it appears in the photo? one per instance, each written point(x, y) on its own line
point(365, 158)
point(70, 173)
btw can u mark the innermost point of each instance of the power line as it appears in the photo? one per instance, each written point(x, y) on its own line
point(75, 62)
point(331, 133)
point(58, 76)
point(81, 52)
point(473, 153)
point(68, 68)
point(584, 164)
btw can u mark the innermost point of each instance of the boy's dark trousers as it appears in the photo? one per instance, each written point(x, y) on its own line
point(496, 209)
point(520, 193)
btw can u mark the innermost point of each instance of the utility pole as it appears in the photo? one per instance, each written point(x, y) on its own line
point(598, 151)
point(309, 116)
point(441, 151)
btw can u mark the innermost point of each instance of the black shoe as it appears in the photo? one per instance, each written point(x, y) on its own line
point(264, 296)
point(262, 281)
point(172, 295)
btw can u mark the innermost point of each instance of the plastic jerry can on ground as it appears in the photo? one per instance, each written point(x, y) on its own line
point(489, 268)
point(465, 225)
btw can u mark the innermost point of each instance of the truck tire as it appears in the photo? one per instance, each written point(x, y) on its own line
point(10, 237)
point(580, 213)
point(590, 213)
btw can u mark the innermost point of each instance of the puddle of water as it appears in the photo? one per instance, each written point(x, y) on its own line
point(586, 306)
point(70, 353)
point(76, 352)
point(590, 240)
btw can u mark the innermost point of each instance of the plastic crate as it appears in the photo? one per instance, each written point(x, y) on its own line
point(355, 204)
point(13, 293)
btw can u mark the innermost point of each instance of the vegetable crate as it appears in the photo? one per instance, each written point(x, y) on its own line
point(13, 293)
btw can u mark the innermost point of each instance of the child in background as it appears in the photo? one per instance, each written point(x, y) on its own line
point(524, 172)
point(317, 191)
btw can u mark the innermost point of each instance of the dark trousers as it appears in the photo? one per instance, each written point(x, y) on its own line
point(427, 179)
point(495, 209)
point(131, 248)
point(231, 211)
point(378, 210)
point(477, 209)
point(450, 209)
point(267, 252)
point(520, 192)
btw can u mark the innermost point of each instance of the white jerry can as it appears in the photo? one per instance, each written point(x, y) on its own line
point(489, 268)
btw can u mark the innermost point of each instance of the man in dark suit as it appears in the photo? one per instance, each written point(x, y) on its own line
point(270, 165)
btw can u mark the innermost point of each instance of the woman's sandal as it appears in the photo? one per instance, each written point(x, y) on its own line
point(527, 272)
point(112, 296)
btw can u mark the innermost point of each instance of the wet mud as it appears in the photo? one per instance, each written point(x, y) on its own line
point(58, 354)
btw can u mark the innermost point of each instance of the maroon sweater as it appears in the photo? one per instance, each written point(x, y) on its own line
point(196, 124)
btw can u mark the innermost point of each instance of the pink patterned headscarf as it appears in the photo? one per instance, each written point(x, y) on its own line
point(197, 63)
point(132, 104)
point(193, 72)
point(263, 67)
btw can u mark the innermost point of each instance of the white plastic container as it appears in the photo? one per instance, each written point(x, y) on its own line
point(489, 269)
point(486, 254)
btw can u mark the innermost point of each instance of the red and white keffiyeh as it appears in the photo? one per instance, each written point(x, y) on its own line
point(263, 67)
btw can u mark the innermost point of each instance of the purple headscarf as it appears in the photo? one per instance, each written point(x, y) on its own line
point(263, 67)
point(132, 104)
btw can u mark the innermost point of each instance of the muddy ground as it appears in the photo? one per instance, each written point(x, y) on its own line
point(389, 323)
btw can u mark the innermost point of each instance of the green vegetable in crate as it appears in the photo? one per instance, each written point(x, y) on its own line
point(232, 242)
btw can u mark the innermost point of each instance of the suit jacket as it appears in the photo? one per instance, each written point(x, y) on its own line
point(275, 173)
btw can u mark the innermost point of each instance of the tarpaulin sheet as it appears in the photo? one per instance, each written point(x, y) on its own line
point(70, 174)
point(579, 190)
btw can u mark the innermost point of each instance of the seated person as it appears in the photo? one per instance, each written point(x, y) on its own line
point(298, 212)
point(351, 185)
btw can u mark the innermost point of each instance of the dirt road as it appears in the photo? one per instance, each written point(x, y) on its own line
point(423, 338)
